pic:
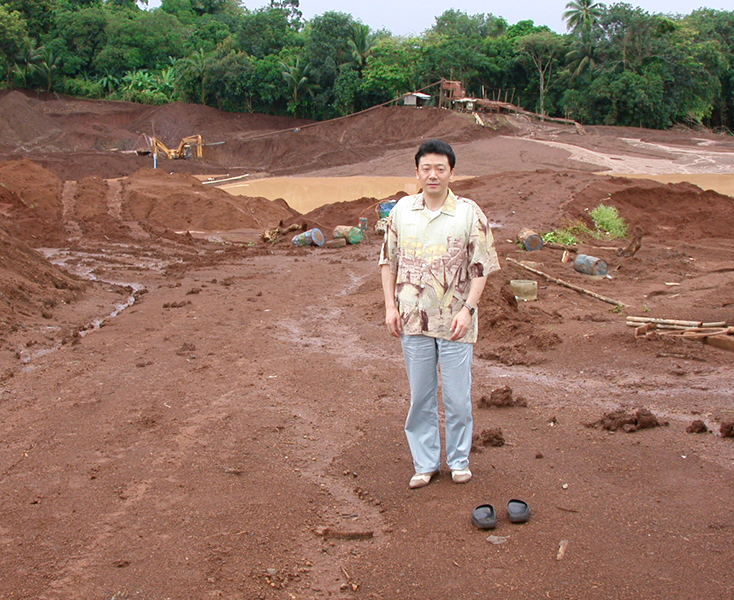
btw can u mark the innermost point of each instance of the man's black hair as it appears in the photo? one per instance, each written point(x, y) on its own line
point(436, 147)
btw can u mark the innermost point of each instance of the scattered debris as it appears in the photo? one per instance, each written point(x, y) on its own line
point(571, 286)
point(590, 265)
point(671, 323)
point(331, 534)
point(716, 334)
point(698, 426)
point(186, 349)
point(488, 437)
point(636, 243)
point(176, 304)
point(497, 539)
point(564, 247)
point(274, 234)
point(627, 421)
point(562, 545)
point(530, 240)
point(501, 397)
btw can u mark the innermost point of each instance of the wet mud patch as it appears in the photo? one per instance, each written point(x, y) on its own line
point(628, 422)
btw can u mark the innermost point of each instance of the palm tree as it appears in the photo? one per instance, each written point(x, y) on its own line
point(46, 63)
point(295, 75)
point(198, 64)
point(582, 56)
point(582, 14)
point(361, 42)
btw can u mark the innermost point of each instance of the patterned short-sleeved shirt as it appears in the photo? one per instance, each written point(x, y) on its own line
point(435, 256)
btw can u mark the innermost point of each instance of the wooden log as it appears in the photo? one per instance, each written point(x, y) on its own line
point(557, 246)
point(571, 286)
point(725, 342)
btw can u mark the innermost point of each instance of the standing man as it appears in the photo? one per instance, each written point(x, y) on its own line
point(434, 262)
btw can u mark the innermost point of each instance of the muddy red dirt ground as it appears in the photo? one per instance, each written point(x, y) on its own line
point(184, 418)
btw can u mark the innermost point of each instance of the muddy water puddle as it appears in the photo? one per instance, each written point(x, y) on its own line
point(86, 265)
point(305, 194)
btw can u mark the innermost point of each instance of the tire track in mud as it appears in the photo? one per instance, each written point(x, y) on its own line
point(349, 513)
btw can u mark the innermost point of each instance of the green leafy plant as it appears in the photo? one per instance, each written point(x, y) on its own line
point(607, 222)
point(560, 236)
point(568, 235)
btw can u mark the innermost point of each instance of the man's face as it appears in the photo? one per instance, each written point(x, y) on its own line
point(435, 174)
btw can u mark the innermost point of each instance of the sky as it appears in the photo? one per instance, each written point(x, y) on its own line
point(406, 17)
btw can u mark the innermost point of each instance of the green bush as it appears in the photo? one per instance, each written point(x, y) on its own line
point(608, 223)
point(83, 87)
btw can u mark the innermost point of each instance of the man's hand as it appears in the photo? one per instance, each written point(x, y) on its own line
point(393, 321)
point(460, 324)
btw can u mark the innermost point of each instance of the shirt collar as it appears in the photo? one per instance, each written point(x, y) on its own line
point(449, 206)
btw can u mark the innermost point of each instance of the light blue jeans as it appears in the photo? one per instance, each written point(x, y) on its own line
point(423, 357)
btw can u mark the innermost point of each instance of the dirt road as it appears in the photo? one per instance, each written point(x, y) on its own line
point(236, 431)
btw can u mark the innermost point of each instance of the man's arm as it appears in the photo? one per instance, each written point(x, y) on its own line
point(461, 322)
point(392, 316)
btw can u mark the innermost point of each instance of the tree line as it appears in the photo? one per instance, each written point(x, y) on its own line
point(616, 65)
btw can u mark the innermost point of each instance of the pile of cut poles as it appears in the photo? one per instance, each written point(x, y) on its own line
point(717, 334)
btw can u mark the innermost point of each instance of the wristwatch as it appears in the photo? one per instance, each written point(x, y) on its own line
point(471, 308)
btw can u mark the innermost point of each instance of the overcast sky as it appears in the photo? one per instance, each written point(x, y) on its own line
point(405, 17)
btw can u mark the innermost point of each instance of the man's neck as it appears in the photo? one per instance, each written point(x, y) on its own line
point(434, 203)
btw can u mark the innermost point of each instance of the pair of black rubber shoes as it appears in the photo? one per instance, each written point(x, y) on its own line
point(485, 517)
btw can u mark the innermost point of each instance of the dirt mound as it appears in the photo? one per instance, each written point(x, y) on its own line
point(501, 398)
point(172, 122)
point(37, 188)
point(627, 421)
point(22, 121)
point(31, 286)
point(349, 140)
point(32, 197)
point(508, 335)
point(488, 437)
point(182, 202)
point(663, 211)
point(339, 213)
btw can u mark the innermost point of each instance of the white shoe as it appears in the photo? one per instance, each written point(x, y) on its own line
point(461, 475)
point(420, 480)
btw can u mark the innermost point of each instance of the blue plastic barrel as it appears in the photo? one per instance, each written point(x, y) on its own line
point(312, 237)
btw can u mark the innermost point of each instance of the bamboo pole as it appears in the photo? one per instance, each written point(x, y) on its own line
point(571, 286)
point(675, 322)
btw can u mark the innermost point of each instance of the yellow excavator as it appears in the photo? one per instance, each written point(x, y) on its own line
point(188, 147)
